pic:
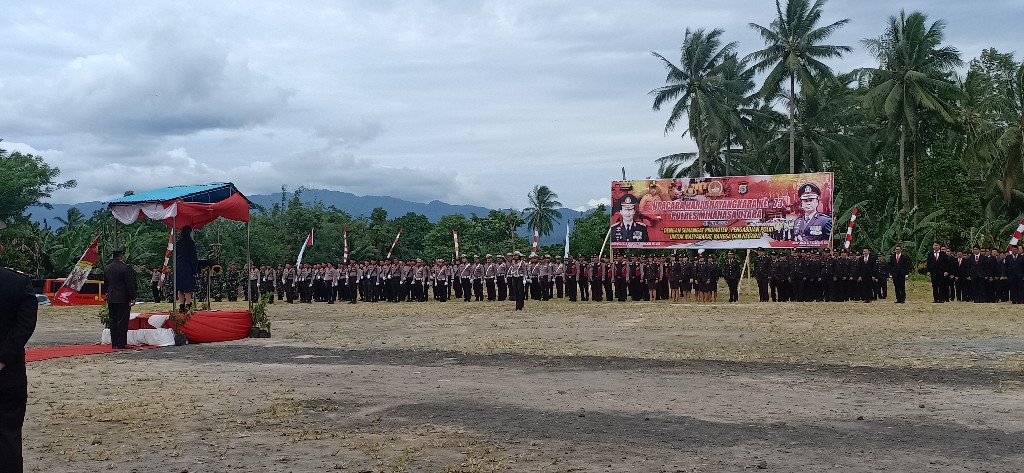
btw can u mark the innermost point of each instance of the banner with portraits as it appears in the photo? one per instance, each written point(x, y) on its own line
point(772, 211)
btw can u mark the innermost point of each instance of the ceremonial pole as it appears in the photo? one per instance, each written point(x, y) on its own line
point(606, 237)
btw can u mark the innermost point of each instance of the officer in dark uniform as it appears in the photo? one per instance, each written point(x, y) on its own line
point(18, 307)
point(828, 276)
point(120, 285)
point(731, 271)
point(763, 272)
point(629, 229)
point(813, 226)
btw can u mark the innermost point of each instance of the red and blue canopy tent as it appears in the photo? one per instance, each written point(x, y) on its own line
point(195, 206)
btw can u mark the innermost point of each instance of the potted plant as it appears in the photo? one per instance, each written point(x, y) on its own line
point(260, 322)
point(178, 319)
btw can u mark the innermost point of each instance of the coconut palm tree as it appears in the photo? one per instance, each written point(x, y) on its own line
point(794, 52)
point(542, 211)
point(912, 79)
point(699, 89)
point(1012, 137)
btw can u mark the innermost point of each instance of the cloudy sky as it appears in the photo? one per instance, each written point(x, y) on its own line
point(468, 102)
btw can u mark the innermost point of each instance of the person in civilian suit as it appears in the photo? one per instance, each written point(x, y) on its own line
point(120, 286)
point(899, 269)
point(866, 274)
point(18, 307)
point(961, 277)
point(938, 269)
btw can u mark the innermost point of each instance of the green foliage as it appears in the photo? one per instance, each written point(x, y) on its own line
point(588, 232)
point(26, 180)
point(260, 319)
point(542, 211)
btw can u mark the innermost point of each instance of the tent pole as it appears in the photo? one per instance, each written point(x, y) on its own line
point(174, 262)
point(248, 261)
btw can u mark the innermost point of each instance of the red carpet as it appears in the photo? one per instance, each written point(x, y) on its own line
point(45, 353)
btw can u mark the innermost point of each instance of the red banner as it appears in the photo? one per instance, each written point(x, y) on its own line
point(79, 274)
point(781, 211)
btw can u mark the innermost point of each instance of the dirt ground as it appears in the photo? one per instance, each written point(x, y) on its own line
point(561, 387)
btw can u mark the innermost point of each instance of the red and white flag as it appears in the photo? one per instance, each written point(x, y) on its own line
point(79, 274)
point(167, 259)
point(536, 238)
point(849, 231)
point(344, 238)
point(1017, 234)
point(395, 242)
point(308, 242)
point(455, 236)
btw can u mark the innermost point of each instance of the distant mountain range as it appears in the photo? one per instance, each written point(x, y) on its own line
point(355, 205)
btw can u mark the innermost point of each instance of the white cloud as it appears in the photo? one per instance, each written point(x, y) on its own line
point(465, 102)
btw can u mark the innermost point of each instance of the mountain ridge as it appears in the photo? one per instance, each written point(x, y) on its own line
point(355, 205)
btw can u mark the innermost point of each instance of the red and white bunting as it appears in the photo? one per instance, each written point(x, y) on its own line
point(1017, 234)
point(167, 259)
point(455, 236)
point(344, 238)
point(307, 242)
point(395, 242)
point(536, 239)
point(849, 231)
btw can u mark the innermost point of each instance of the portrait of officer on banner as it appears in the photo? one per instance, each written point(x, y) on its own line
point(629, 228)
point(813, 225)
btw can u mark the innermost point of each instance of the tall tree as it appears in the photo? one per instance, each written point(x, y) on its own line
point(699, 88)
point(913, 78)
point(794, 52)
point(26, 181)
point(542, 211)
point(1012, 137)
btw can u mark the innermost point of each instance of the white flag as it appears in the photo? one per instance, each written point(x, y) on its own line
point(566, 255)
point(308, 242)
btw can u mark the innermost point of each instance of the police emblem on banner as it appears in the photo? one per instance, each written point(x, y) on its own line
point(743, 187)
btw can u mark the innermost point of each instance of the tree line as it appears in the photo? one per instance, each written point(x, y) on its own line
point(924, 151)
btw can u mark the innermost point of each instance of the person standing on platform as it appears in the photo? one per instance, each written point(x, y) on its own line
point(18, 311)
point(731, 271)
point(186, 261)
point(120, 285)
point(899, 269)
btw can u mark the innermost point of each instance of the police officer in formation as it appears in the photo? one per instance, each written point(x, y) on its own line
point(801, 275)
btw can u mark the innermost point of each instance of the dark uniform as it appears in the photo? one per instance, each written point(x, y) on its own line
point(120, 285)
point(763, 273)
point(18, 307)
point(731, 271)
point(633, 230)
point(813, 226)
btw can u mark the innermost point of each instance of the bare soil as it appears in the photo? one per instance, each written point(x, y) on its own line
point(561, 387)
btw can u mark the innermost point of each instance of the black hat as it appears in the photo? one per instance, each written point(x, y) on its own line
point(119, 251)
point(807, 189)
point(628, 200)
